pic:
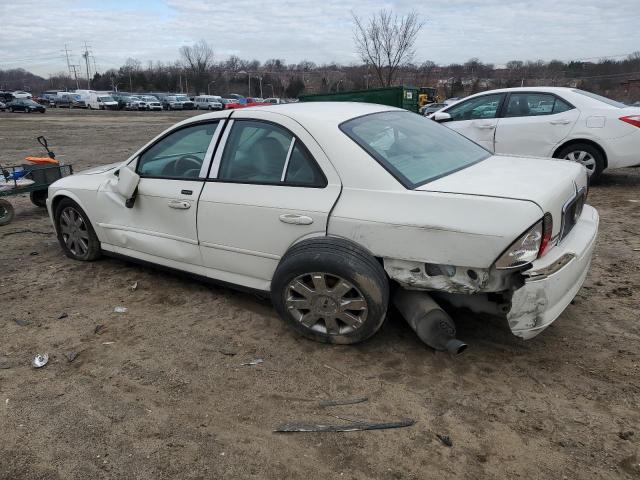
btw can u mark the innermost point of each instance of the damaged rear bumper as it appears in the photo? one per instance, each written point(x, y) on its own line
point(554, 280)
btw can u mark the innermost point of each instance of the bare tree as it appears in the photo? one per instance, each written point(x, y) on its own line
point(386, 42)
point(198, 61)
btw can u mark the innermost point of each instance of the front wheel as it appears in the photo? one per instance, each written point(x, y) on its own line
point(331, 291)
point(75, 233)
point(586, 155)
point(39, 198)
point(6, 212)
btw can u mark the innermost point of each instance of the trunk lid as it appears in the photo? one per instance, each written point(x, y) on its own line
point(549, 183)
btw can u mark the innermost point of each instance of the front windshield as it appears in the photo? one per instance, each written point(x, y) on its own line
point(182, 99)
point(414, 149)
point(600, 98)
point(107, 99)
point(150, 99)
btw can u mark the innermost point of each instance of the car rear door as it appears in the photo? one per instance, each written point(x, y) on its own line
point(476, 118)
point(270, 185)
point(534, 123)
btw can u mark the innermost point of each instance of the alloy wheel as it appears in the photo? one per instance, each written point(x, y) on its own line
point(74, 232)
point(326, 303)
point(585, 158)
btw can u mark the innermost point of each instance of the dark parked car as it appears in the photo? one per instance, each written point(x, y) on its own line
point(122, 98)
point(62, 101)
point(24, 105)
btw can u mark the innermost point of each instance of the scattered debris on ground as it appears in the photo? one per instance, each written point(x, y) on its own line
point(257, 361)
point(345, 427)
point(347, 401)
point(40, 360)
point(445, 439)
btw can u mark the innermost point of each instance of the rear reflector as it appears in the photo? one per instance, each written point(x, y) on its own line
point(632, 120)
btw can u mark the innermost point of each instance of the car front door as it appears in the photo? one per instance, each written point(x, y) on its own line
point(534, 123)
point(476, 118)
point(159, 223)
point(270, 185)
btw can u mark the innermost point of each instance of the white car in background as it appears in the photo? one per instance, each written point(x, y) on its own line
point(334, 208)
point(556, 122)
point(208, 102)
point(21, 94)
point(149, 102)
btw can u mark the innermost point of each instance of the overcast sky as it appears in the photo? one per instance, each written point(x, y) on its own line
point(34, 32)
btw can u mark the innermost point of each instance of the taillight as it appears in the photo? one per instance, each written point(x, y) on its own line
point(632, 120)
point(547, 228)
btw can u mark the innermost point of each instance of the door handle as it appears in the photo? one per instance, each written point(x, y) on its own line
point(296, 219)
point(486, 126)
point(179, 204)
point(564, 121)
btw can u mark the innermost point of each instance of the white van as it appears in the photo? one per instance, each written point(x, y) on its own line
point(97, 100)
point(208, 102)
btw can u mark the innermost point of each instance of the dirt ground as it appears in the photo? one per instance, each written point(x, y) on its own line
point(159, 392)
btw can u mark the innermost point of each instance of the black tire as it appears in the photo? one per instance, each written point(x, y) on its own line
point(6, 212)
point(11, 110)
point(93, 244)
point(576, 148)
point(337, 259)
point(39, 198)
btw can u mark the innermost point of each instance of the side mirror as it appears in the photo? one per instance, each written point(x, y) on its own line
point(127, 185)
point(442, 117)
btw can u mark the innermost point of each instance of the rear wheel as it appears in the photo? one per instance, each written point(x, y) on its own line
point(75, 233)
point(585, 154)
point(39, 198)
point(331, 291)
point(6, 212)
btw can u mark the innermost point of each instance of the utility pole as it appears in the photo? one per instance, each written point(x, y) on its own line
point(85, 55)
point(66, 52)
point(75, 75)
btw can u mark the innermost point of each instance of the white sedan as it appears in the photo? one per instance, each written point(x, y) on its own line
point(334, 208)
point(567, 123)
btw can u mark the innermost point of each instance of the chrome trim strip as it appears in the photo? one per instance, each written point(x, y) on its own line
point(151, 233)
point(563, 225)
point(545, 272)
point(286, 163)
point(228, 248)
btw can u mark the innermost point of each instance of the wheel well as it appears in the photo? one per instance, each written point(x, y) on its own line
point(588, 142)
point(56, 201)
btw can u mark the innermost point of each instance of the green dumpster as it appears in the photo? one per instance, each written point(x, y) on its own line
point(401, 97)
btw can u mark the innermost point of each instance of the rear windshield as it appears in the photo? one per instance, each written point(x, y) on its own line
point(600, 98)
point(414, 149)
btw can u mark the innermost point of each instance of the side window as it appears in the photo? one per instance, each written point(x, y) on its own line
point(178, 155)
point(561, 106)
point(476, 108)
point(302, 169)
point(535, 104)
point(259, 152)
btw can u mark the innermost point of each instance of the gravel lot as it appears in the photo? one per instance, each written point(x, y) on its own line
point(159, 392)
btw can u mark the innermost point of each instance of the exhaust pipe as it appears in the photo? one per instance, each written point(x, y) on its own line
point(428, 320)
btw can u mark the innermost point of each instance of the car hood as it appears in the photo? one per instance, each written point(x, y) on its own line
point(100, 169)
point(549, 183)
